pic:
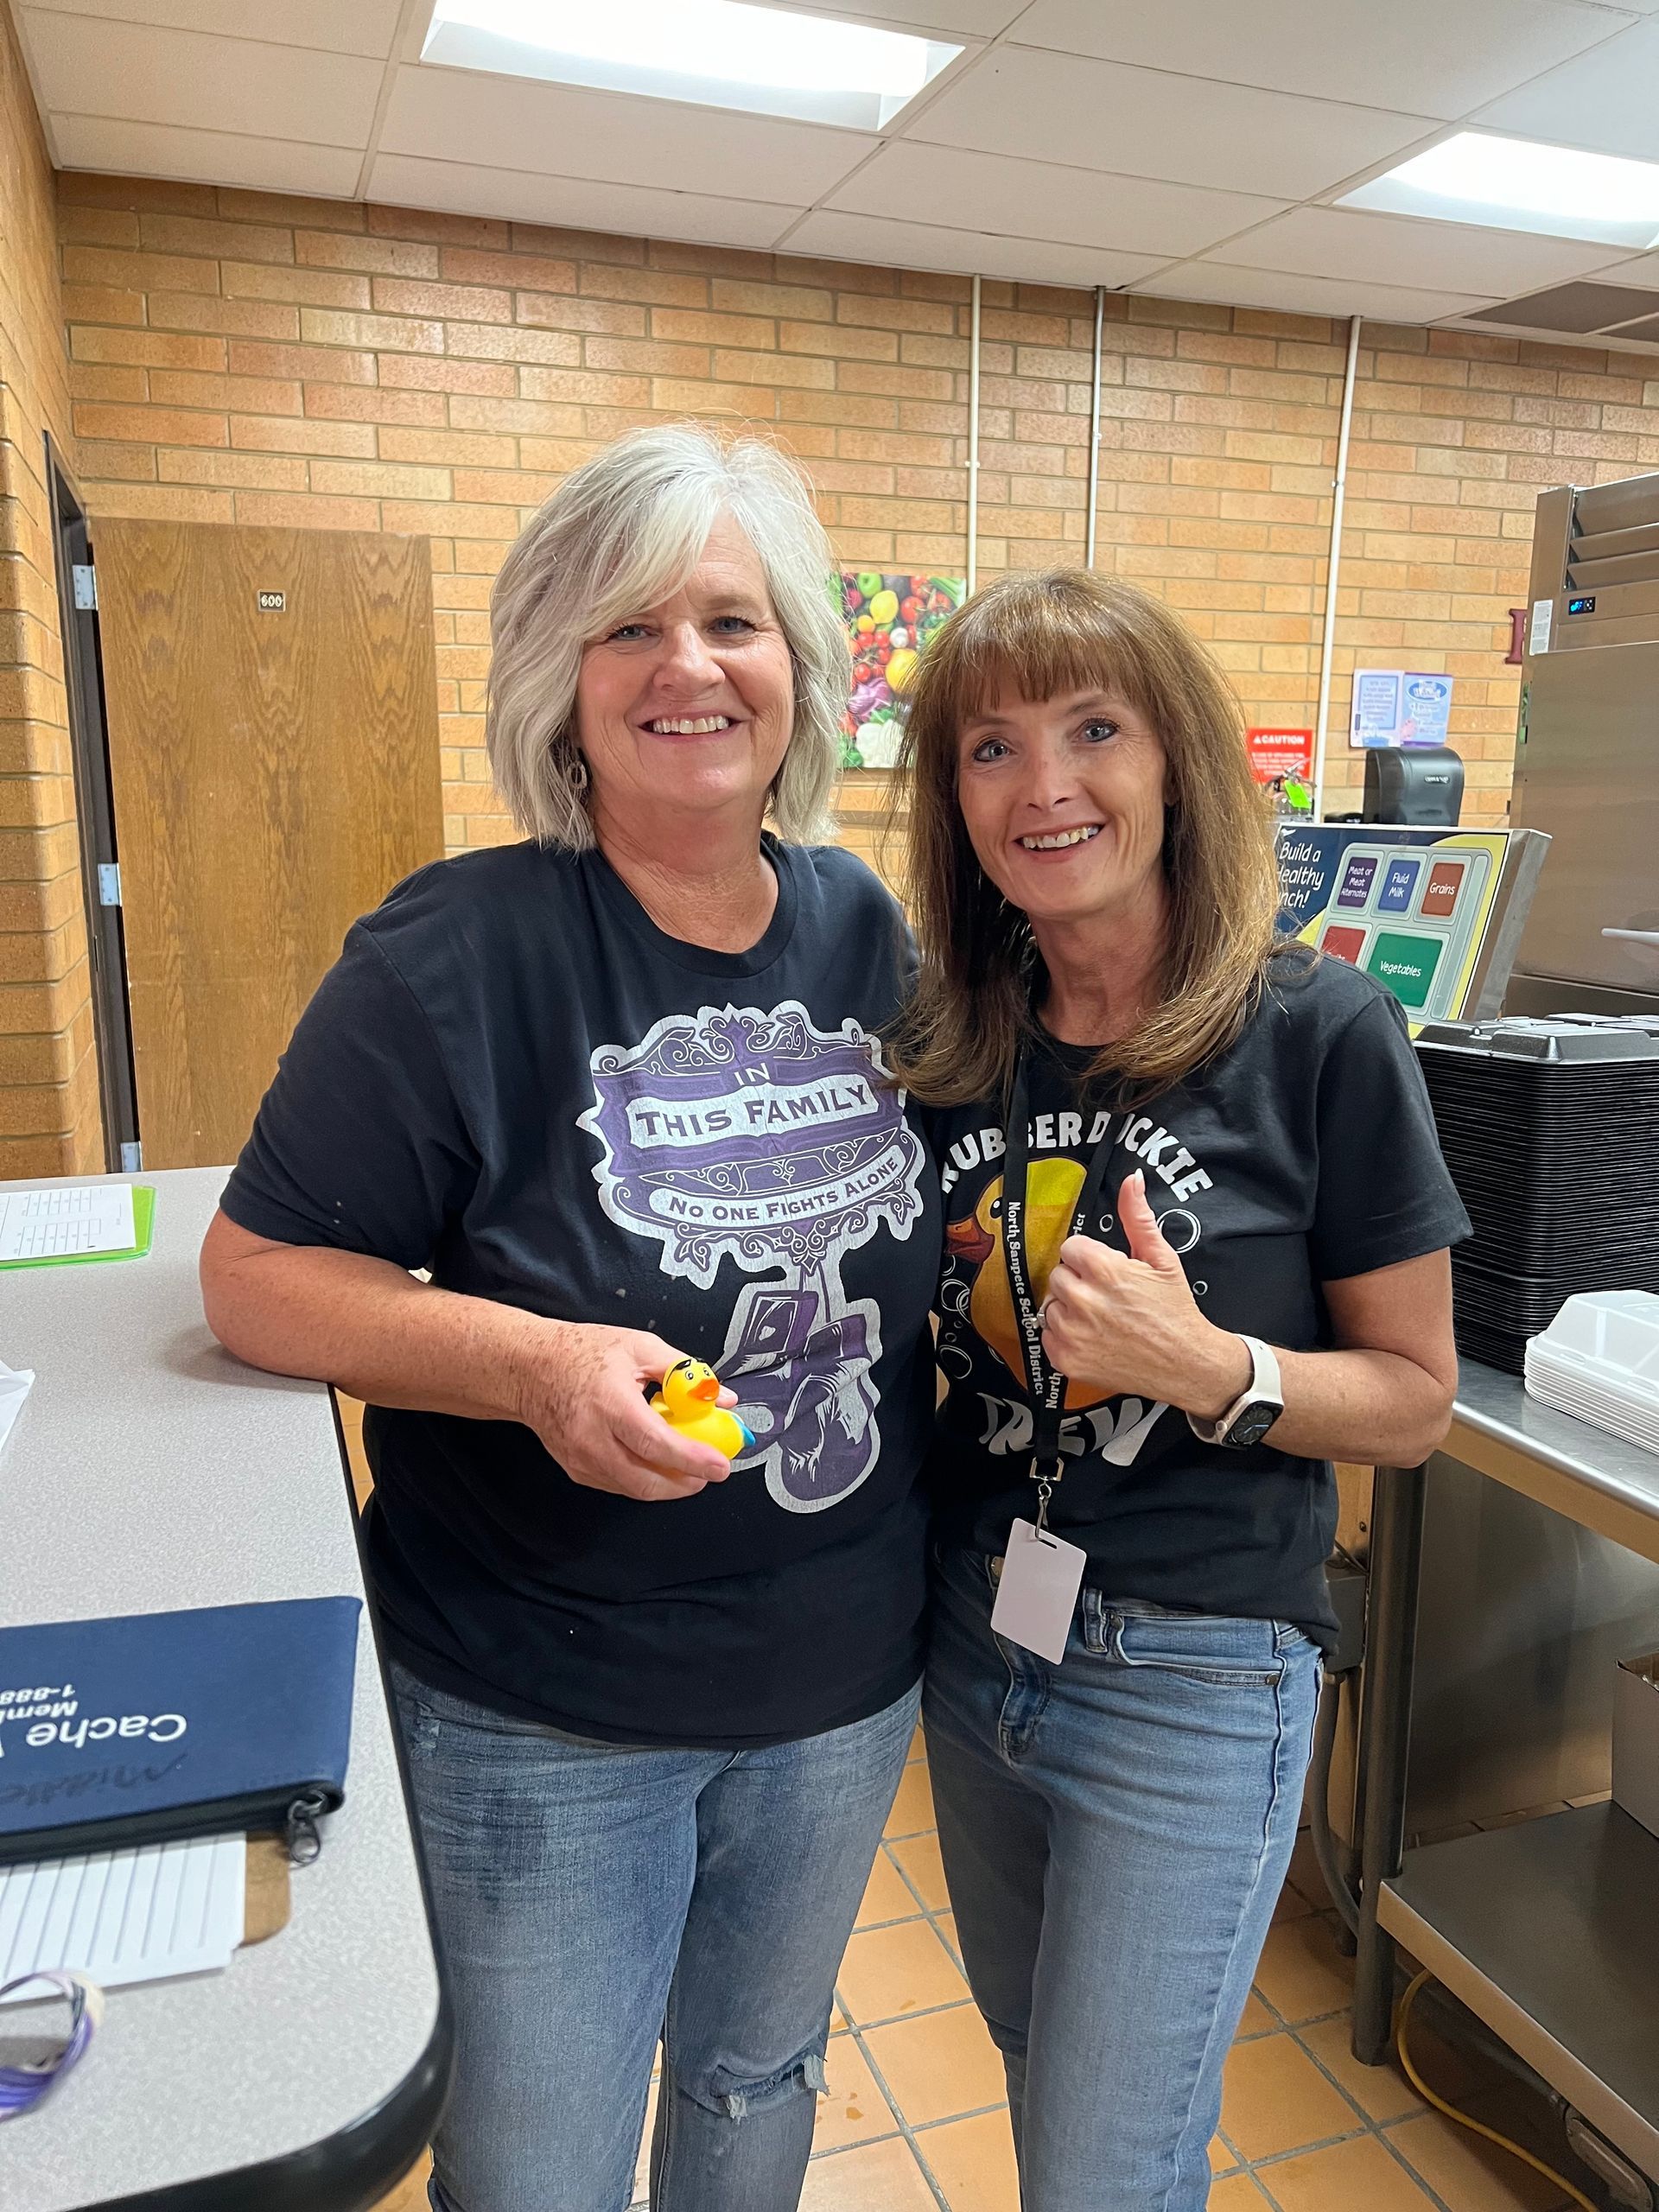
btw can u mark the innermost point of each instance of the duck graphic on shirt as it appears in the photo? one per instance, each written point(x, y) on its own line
point(1052, 1189)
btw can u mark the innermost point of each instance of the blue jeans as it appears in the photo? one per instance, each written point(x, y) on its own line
point(1116, 1832)
point(591, 1898)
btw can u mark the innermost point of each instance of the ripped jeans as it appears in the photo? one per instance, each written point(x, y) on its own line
point(591, 1897)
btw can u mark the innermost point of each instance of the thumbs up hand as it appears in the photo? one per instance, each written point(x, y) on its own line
point(1116, 1322)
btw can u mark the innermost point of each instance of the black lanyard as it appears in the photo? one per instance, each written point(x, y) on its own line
point(1044, 1381)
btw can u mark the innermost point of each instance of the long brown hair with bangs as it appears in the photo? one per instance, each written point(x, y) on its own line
point(1041, 636)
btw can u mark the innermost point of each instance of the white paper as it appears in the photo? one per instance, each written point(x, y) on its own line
point(121, 1916)
point(1543, 617)
point(1037, 1592)
point(16, 1383)
point(68, 1219)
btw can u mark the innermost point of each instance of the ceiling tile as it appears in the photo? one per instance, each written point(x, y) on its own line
point(117, 149)
point(1099, 115)
point(924, 245)
point(1435, 57)
point(1332, 295)
point(631, 211)
point(1398, 250)
point(443, 113)
point(336, 26)
point(977, 18)
point(129, 70)
point(1012, 199)
point(1605, 100)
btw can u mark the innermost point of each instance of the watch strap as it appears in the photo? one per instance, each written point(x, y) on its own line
point(1265, 1387)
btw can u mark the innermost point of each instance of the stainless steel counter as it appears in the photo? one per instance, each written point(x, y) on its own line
point(1546, 1929)
point(1592, 1477)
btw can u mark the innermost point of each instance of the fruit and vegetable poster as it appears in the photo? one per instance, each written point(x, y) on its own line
point(889, 619)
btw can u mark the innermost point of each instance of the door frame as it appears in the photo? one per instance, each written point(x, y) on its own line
point(83, 680)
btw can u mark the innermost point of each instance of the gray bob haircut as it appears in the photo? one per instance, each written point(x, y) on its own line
point(623, 533)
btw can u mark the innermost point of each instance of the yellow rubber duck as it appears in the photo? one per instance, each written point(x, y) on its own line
point(689, 1402)
point(1053, 1187)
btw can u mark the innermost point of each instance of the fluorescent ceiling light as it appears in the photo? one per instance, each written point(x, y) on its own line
point(715, 53)
point(1515, 184)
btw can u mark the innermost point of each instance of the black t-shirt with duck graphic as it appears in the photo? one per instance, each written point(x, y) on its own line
point(1304, 1153)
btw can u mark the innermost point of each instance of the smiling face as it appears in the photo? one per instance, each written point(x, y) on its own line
point(685, 708)
point(1063, 801)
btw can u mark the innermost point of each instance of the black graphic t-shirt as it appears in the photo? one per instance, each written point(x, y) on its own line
point(513, 1079)
point(1305, 1153)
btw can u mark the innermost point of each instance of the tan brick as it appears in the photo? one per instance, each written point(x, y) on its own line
point(838, 342)
point(349, 403)
point(465, 449)
point(585, 387)
point(305, 511)
point(751, 333)
point(315, 287)
point(138, 192)
point(651, 286)
point(233, 317)
point(240, 395)
point(775, 368)
point(392, 334)
point(146, 348)
point(801, 302)
point(684, 396)
point(98, 303)
point(161, 503)
point(438, 230)
point(376, 480)
point(539, 417)
point(170, 426)
point(87, 381)
point(217, 241)
point(501, 342)
point(254, 471)
point(282, 434)
point(564, 311)
point(285, 208)
point(97, 227)
point(448, 302)
point(516, 272)
point(373, 256)
point(417, 373)
point(138, 272)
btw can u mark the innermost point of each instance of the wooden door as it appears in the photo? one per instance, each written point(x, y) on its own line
point(272, 710)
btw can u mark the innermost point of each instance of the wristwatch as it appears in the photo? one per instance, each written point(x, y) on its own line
point(1253, 1412)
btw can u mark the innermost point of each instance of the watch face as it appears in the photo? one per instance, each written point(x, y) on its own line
point(1253, 1423)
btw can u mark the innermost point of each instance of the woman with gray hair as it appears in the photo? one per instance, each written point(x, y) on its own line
point(616, 1090)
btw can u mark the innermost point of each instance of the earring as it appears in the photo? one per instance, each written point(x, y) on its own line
point(577, 776)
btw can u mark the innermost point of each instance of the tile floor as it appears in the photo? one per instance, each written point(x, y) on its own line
point(916, 2121)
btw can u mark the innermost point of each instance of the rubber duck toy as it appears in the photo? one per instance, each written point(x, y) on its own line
point(1052, 1193)
point(689, 1402)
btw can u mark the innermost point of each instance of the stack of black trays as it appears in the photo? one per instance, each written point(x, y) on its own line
point(1550, 1128)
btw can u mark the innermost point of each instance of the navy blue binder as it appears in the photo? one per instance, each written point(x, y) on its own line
point(150, 1726)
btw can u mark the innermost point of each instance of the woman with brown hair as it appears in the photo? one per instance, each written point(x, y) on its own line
point(1197, 1231)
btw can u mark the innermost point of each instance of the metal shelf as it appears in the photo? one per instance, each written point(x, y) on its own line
point(1548, 1931)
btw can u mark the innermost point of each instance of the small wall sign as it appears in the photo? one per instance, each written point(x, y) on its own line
point(272, 602)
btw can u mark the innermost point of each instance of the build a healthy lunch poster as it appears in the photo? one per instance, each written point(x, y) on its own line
point(889, 619)
point(1410, 906)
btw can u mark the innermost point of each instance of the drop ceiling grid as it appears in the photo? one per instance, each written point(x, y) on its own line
point(1190, 150)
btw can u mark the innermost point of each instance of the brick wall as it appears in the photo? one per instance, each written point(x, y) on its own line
point(245, 356)
point(49, 1097)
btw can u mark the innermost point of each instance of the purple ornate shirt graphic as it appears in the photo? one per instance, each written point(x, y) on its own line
point(750, 1134)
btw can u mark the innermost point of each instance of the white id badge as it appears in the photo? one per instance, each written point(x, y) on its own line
point(1037, 1593)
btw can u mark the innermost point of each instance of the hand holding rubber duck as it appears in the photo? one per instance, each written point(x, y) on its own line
point(689, 1402)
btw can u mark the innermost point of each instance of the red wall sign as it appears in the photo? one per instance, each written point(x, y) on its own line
point(1276, 754)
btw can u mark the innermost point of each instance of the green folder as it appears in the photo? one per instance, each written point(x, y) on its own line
point(143, 1221)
